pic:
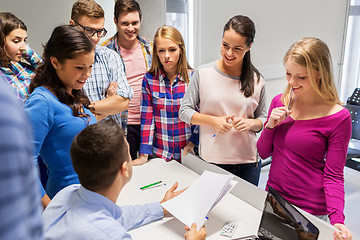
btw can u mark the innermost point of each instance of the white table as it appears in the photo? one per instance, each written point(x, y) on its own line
point(243, 205)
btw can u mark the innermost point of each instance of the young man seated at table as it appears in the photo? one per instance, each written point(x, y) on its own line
point(101, 158)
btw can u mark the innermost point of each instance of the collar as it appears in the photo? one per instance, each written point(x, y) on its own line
point(96, 199)
point(143, 41)
point(162, 77)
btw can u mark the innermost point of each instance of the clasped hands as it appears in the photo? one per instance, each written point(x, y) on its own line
point(224, 123)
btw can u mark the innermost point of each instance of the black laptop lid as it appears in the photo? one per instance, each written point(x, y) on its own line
point(280, 220)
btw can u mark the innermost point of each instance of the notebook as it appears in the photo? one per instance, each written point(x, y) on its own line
point(281, 220)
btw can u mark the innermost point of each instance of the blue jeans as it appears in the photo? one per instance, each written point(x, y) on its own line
point(250, 172)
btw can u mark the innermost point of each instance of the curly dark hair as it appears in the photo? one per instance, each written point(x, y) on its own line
point(65, 43)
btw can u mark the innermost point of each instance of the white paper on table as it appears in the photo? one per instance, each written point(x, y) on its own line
point(195, 203)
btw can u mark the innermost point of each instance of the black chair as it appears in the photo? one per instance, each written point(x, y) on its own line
point(354, 145)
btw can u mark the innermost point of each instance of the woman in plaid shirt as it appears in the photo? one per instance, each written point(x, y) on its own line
point(162, 132)
point(17, 60)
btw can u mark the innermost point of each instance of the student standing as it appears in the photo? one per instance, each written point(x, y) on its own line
point(107, 86)
point(163, 88)
point(307, 134)
point(231, 96)
point(17, 60)
point(57, 107)
point(89, 210)
point(136, 53)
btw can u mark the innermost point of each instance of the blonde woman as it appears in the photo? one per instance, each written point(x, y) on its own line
point(162, 132)
point(307, 134)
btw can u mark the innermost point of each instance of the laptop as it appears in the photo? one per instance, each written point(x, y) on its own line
point(281, 220)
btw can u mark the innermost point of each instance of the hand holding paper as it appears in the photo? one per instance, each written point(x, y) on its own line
point(194, 204)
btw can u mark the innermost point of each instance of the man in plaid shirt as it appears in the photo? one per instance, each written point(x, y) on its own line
point(107, 87)
point(136, 54)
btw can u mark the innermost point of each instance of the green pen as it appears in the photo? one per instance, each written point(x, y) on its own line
point(144, 187)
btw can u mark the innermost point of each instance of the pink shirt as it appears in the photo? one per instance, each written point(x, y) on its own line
point(308, 160)
point(135, 69)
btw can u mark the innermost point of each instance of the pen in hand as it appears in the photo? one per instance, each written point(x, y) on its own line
point(228, 121)
point(291, 98)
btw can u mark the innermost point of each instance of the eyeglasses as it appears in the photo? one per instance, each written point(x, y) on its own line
point(90, 31)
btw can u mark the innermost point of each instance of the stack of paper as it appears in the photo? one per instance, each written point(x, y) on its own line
point(195, 203)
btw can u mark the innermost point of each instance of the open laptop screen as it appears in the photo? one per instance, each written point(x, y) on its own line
point(280, 220)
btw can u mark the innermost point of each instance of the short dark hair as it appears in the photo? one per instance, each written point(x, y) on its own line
point(126, 6)
point(86, 8)
point(98, 153)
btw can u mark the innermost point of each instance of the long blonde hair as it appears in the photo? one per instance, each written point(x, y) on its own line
point(313, 54)
point(174, 35)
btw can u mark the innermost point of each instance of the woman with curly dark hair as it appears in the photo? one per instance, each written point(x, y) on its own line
point(57, 107)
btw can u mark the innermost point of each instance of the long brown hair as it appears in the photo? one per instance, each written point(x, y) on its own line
point(174, 35)
point(8, 23)
point(244, 26)
point(65, 43)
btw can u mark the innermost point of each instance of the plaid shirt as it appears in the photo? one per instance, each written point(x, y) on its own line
point(107, 68)
point(162, 132)
point(146, 47)
point(19, 74)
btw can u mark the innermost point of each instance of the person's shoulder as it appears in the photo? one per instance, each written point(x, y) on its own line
point(342, 112)
point(205, 68)
point(259, 79)
point(108, 41)
point(149, 75)
point(60, 200)
point(41, 93)
point(276, 101)
point(106, 55)
point(144, 40)
point(206, 65)
point(104, 51)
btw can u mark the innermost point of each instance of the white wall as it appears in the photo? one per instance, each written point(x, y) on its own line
point(279, 23)
point(154, 16)
point(42, 16)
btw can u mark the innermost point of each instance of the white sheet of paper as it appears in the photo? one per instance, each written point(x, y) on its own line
point(194, 204)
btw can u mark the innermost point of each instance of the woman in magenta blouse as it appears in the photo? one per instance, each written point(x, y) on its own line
point(307, 134)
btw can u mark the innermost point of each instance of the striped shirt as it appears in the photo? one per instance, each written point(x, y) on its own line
point(107, 68)
point(19, 74)
point(20, 208)
point(146, 47)
point(162, 132)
